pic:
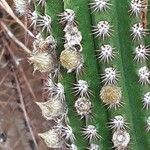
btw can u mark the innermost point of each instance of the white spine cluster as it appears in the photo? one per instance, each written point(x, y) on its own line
point(82, 89)
point(148, 124)
point(100, 5)
point(83, 106)
point(121, 139)
point(137, 6)
point(141, 53)
point(66, 132)
point(106, 53)
point(91, 133)
point(94, 147)
point(144, 75)
point(33, 17)
point(72, 147)
point(55, 89)
point(146, 100)
point(138, 31)
point(110, 76)
point(44, 22)
point(102, 30)
point(118, 123)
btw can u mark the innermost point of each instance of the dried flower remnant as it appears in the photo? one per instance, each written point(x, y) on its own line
point(52, 109)
point(148, 124)
point(110, 76)
point(83, 106)
point(111, 95)
point(82, 89)
point(100, 5)
point(146, 100)
point(106, 53)
point(42, 61)
point(52, 138)
point(121, 139)
point(102, 29)
point(91, 133)
point(118, 123)
point(71, 60)
point(144, 75)
point(43, 56)
point(141, 53)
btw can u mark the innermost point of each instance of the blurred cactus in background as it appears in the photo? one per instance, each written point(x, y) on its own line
point(90, 59)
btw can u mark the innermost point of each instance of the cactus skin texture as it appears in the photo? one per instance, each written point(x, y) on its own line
point(132, 91)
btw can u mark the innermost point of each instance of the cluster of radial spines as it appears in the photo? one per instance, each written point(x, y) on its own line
point(100, 5)
point(106, 53)
point(66, 132)
point(118, 123)
point(110, 76)
point(148, 124)
point(90, 132)
point(72, 147)
point(121, 139)
point(33, 17)
point(137, 6)
point(141, 53)
point(94, 147)
point(102, 30)
point(146, 100)
point(83, 107)
point(67, 17)
point(138, 31)
point(55, 89)
point(81, 88)
point(144, 75)
point(40, 21)
point(44, 22)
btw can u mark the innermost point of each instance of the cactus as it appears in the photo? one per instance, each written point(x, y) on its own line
point(94, 56)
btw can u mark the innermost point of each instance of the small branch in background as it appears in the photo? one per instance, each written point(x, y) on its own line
point(2, 53)
point(24, 110)
point(8, 9)
point(12, 36)
point(21, 70)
